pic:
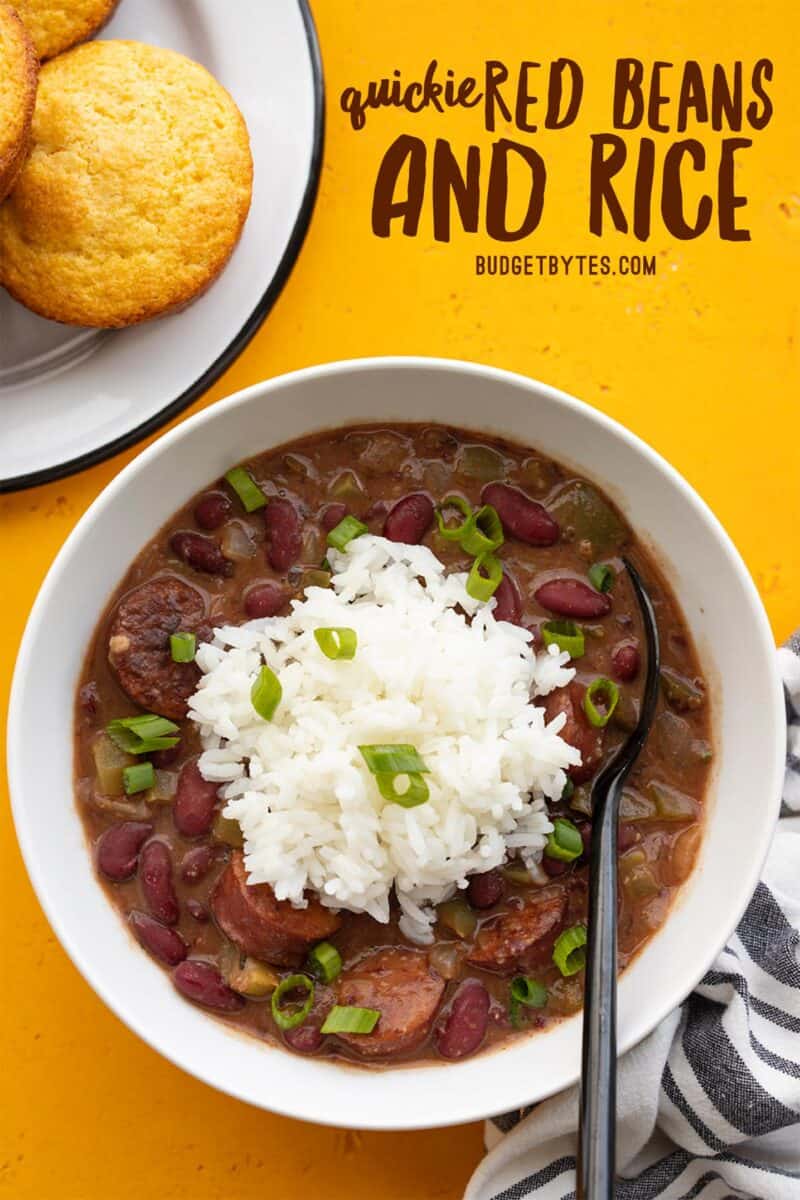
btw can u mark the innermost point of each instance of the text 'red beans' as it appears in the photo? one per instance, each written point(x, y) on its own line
point(284, 532)
point(508, 606)
point(409, 520)
point(485, 890)
point(625, 662)
point(163, 943)
point(572, 598)
point(155, 877)
point(212, 510)
point(202, 983)
point(465, 1027)
point(118, 849)
point(195, 798)
point(264, 600)
point(523, 518)
point(201, 553)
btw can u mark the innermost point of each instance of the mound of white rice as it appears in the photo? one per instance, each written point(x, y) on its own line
point(310, 811)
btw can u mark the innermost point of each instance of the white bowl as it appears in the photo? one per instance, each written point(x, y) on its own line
point(718, 600)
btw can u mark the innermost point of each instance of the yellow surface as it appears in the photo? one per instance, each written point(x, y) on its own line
point(700, 361)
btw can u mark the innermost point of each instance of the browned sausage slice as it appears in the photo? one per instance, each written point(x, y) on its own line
point(577, 730)
point(403, 988)
point(521, 938)
point(270, 929)
point(138, 644)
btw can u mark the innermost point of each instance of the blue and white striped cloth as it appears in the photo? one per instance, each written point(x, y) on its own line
point(709, 1104)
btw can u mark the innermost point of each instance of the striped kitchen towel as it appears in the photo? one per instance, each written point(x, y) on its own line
point(709, 1104)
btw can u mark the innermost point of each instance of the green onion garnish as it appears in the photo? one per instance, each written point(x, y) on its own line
point(414, 788)
point(182, 647)
point(569, 954)
point(265, 694)
point(565, 842)
point(566, 635)
point(484, 577)
point(337, 643)
point(567, 790)
point(486, 533)
point(347, 1019)
point(138, 778)
point(454, 533)
point(528, 992)
point(289, 1018)
point(246, 489)
point(325, 962)
point(142, 734)
point(393, 760)
point(601, 577)
point(343, 533)
point(607, 692)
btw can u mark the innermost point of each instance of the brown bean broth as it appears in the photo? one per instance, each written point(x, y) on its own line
point(388, 464)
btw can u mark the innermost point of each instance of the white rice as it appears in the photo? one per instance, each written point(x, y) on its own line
point(309, 809)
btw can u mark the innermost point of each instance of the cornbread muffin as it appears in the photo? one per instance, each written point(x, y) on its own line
point(136, 189)
point(55, 25)
point(18, 71)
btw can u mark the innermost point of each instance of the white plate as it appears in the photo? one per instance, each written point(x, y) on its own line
point(69, 397)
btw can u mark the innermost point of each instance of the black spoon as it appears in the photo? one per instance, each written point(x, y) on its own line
point(598, 1104)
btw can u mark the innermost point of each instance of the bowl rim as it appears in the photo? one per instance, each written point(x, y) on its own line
point(45, 888)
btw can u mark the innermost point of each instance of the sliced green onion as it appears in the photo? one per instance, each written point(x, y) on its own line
point(182, 647)
point(143, 734)
point(265, 694)
point(601, 577)
point(138, 778)
point(343, 533)
point(289, 1018)
point(566, 635)
point(347, 1019)
point(569, 954)
point(567, 790)
point(605, 690)
point(246, 489)
point(454, 533)
point(528, 992)
point(393, 760)
point(565, 842)
point(486, 533)
point(484, 577)
point(337, 643)
point(414, 788)
point(325, 962)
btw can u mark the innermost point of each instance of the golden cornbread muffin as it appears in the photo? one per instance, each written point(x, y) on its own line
point(55, 25)
point(18, 71)
point(135, 191)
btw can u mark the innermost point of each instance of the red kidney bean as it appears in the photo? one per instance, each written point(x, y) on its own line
point(88, 698)
point(196, 863)
point(201, 553)
point(485, 890)
point(572, 598)
point(332, 515)
point(118, 849)
point(195, 799)
point(410, 519)
point(509, 601)
point(155, 877)
point(264, 600)
point(199, 981)
point(197, 911)
point(306, 1039)
point(376, 511)
point(166, 758)
point(284, 532)
point(525, 519)
point(163, 943)
point(625, 662)
point(466, 1023)
point(212, 510)
point(554, 866)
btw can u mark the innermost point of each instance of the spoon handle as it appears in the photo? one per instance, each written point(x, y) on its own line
point(598, 1104)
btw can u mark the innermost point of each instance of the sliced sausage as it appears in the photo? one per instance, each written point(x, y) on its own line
point(401, 985)
point(525, 519)
point(521, 938)
point(577, 729)
point(138, 644)
point(266, 928)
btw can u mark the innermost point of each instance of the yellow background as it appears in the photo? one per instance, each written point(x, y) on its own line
point(701, 361)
